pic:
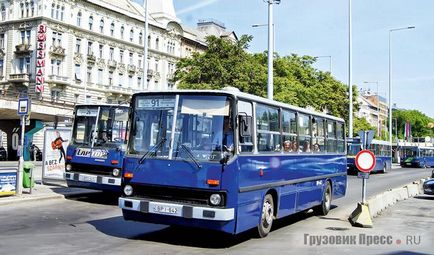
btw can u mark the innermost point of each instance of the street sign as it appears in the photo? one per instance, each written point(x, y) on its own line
point(365, 161)
point(366, 137)
point(362, 175)
point(23, 106)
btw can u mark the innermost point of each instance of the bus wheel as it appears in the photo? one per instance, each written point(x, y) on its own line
point(267, 216)
point(324, 207)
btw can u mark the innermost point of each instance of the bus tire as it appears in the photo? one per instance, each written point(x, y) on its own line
point(267, 216)
point(324, 208)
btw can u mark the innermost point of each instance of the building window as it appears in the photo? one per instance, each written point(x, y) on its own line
point(1, 68)
point(62, 10)
point(156, 65)
point(89, 48)
point(140, 61)
point(157, 44)
point(53, 9)
point(25, 37)
point(3, 10)
point(130, 81)
point(33, 8)
point(28, 34)
point(112, 29)
point(111, 53)
point(88, 99)
point(101, 26)
point(79, 19)
point(131, 35)
point(21, 65)
point(89, 74)
point(55, 94)
point(122, 32)
point(140, 38)
point(100, 73)
point(28, 65)
point(121, 56)
point(101, 50)
point(110, 78)
point(121, 79)
point(77, 45)
point(149, 41)
point(2, 41)
point(131, 58)
point(57, 39)
point(90, 22)
point(77, 72)
point(139, 82)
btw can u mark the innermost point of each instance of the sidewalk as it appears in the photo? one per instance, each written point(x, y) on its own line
point(45, 192)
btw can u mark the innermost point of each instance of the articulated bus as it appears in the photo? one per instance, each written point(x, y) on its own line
point(381, 150)
point(95, 154)
point(416, 156)
point(228, 161)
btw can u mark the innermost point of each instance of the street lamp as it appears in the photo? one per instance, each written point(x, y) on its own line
point(270, 46)
point(350, 72)
point(264, 25)
point(378, 106)
point(145, 47)
point(390, 78)
point(330, 62)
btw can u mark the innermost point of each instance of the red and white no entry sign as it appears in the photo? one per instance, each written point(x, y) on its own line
point(365, 161)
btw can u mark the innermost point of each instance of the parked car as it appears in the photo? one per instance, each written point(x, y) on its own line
point(428, 187)
point(34, 148)
point(3, 154)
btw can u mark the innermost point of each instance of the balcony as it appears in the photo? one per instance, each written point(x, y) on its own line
point(91, 59)
point(140, 71)
point(131, 69)
point(170, 76)
point(58, 79)
point(100, 63)
point(2, 52)
point(57, 51)
point(22, 49)
point(150, 73)
point(112, 64)
point(19, 78)
point(121, 68)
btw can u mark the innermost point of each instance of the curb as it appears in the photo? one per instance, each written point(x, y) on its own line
point(380, 202)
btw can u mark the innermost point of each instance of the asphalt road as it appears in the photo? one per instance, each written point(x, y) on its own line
point(94, 225)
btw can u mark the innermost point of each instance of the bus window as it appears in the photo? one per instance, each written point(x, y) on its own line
point(268, 128)
point(289, 128)
point(340, 134)
point(331, 137)
point(304, 133)
point(245, 108)
point(318, 135)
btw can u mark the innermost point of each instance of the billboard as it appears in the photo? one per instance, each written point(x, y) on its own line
point(55, 143)
point(8, 180)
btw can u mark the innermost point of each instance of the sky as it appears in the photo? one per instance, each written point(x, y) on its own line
point(320, 28)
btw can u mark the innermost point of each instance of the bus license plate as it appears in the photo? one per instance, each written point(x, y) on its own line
point(166, 209)
point(88, 178)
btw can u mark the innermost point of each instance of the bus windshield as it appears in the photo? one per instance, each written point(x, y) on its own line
point(180, 127)
point(100, 126)
point(354, 148)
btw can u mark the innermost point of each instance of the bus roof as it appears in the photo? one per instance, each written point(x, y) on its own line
point(241, 95)
point(96, 105)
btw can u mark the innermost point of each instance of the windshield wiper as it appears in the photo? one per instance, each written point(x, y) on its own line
point(153, 149)
point(190, 154)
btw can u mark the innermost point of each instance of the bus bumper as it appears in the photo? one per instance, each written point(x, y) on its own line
point(177, 210)
point(93, 179)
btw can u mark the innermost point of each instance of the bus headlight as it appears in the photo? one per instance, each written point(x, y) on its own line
point(68, 167)
point(116, 172)
point(215, 199)
point(128, 190)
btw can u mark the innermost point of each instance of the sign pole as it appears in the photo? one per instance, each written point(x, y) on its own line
point(19, 181)
point(364, 190)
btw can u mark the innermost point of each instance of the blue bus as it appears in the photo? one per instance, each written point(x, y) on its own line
point(416, 156)
point(229, 161)
point(381, 150)
point(95, 153)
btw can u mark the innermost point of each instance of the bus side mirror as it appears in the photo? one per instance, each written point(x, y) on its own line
point(245, 126)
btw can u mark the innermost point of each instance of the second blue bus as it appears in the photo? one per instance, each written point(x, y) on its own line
point(381, 150)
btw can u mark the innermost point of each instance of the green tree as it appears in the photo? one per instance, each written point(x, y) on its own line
point(419, 122)
point(361, 124)
point(296, 81)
